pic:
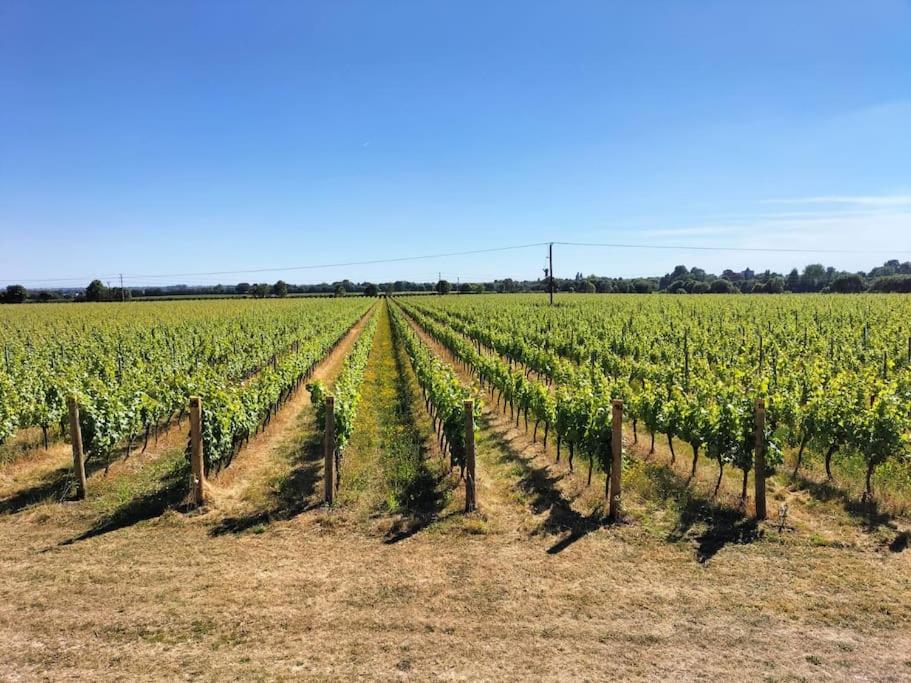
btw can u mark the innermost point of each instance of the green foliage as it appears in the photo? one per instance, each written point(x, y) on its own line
point(133, 366)
point(280, 289)
point(816, 364)
point(96, 291)
point(15, 294)
point(443, 393)
point(348, 384)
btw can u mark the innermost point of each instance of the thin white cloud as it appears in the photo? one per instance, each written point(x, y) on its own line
point(698, 231)
point(870, 201)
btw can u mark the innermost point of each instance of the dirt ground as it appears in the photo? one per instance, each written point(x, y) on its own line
point(266, 584)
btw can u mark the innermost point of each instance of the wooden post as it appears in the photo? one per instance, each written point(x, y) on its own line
point(78, 456)
point(616, 459)
point(759, 464)
point(471, 498)
point(197, 465)
point(329, 450)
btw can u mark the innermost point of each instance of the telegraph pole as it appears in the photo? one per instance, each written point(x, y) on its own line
point(123, 295)
point(550, 263)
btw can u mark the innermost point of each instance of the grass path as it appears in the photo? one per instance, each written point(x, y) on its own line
point(387, 466)
point(280, 473)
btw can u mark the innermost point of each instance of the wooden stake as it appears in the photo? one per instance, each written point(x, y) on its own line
point(616, 459)
point(759, 464)
point(471, 498)
point(329, 451)
point(197, 464)
point(78, 455)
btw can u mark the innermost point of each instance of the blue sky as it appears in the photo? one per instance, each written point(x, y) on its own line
point(153, 138)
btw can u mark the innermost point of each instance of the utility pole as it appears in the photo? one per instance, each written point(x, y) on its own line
point(123, 296)
point(550, 263)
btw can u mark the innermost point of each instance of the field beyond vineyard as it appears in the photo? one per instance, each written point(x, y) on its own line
point(395, 579)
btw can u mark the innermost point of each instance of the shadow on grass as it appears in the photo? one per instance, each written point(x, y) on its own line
point(296, 493)
point(710, 524)
point(408, 526)
point(57, 485)
point(900, 543)
point(723, 526)
point(418, 485)
point(170, 493)
point(540, 487)
point(866, 511)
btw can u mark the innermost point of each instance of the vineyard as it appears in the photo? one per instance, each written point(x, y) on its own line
point(834, 379)
point(458, 465)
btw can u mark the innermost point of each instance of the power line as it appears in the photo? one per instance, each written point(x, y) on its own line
point(290, 268)
point(353, 263)
point(780, 250)
point(400, 259)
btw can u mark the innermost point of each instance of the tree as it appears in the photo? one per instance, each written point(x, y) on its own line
point(679, 273)
point(371, 290)
point(588, 287)
point(242, 288)
point(775, 285)
point(280, 289)
point(96, 291)
point(260, 290)
point(848, 283)
point(813, 278)
point(700, 287)
point(892, 283)
point(339, 290)
point(15, 294)
point(721, 286)
point(792, 282)
point(443, 287)
point(465, 288)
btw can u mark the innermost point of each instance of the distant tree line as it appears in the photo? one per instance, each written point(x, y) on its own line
point(892, 276)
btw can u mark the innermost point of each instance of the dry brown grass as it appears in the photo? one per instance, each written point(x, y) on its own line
point(309, 598)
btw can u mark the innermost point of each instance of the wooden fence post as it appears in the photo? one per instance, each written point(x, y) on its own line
point(759, 464)
point(197, 464)
point(616, 459)
point(78, 455)
point(329, 450)
point(471, 498)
